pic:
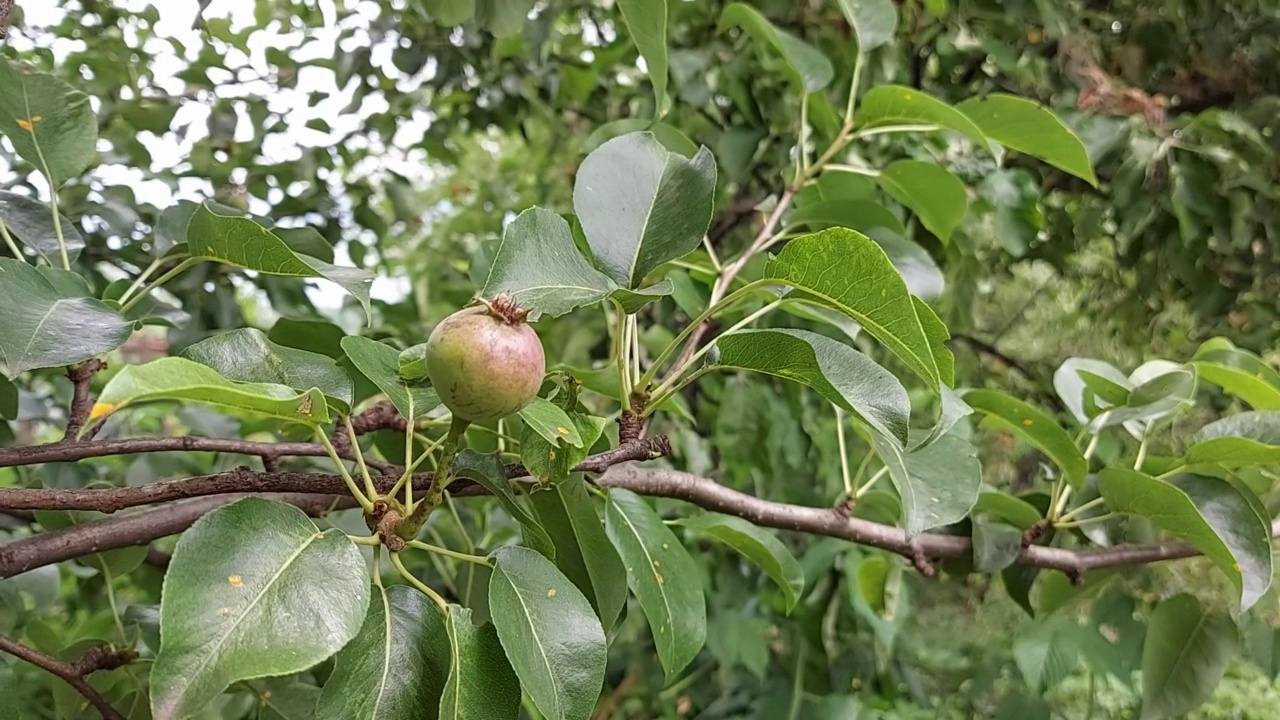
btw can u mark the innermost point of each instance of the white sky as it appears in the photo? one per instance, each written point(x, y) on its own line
point(170, 150)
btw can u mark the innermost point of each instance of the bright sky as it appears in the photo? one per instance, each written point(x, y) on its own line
point(168, 151)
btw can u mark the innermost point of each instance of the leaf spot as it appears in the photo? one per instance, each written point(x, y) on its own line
point(235, 580)
point(664, 546)
point(1027, 422)
point(552, 455)
point(658, 577)
point(655, 563)
point(225, 612)
point(101, 409)
point(28, 125)
point(562, 430)
point(551, 592)
point(266, 695)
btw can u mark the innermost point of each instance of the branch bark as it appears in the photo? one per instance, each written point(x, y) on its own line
point(71, 452)
point(81, 402)
point(711, 495)
point(74, 673)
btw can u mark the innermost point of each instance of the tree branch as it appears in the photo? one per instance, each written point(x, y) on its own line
point(71, 452)
point(96, 658)
point(711, 495)
point(81, 403)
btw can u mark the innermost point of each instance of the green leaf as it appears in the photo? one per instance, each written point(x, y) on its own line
point(42, 326)
point(316, 336)
point(758, 545)
point(246, 355)
point(885, 105)
point(1184, 657)
point(583, 551)
point(538, 263)
point(1013, 510)
point(663, 578)
point(50, 123)
point(286, 698)
point(1212, 514)
point(1248, 438)
point(670, 137)
point(873, 21)
point(31, 222)
point(395, 667)
point(9, 700)
point(8, 399)
point(412, 362)
point(481, 683)
point(551, 461)
point(487, 469)
point(254, 590)
point(633, 300)
point(953, 410)
point(647, 22)
point(550, 633)
point(995, 545)
point(869, 290)
point(1160, 389)
point(861, 215)
point(938, 483)
point(214, 233)
point(450, 13)
point(1046, 654)
point(641, 205)
point(306, 241)
point(842, 375)
point(808, 67)
point(1238, 372)
point(1024, 126)
point(1035, 427)
point(931, 191)
point(1078, 376)
point(503, 18)
point(548, 420)
point(381, 364)
point(177, 378)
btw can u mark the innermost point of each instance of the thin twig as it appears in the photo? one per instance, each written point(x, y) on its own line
point(73, 673)
point(81, 403)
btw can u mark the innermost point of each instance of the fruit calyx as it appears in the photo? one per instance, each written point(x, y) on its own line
point(503, 306)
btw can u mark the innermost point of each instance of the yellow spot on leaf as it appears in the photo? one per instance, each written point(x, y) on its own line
point(101, 409)
point(562, 430)
point(551, 455)
point(28, 125)
point(655, 563)
point(664, 546)
point(551, 592)
point(235, 580)
point(304, 407)
point(266, 695)
point(1027, 422)
point(224, 612)
point(1236, 566)
point(659, 578)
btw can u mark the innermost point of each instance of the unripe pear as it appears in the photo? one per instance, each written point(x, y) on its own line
point(485, 361)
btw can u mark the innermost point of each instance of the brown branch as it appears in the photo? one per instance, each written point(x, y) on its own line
point(74, 673)
point(81, 403)
point(710, 495)
point(71, 452)
point(6, 6)
point(138, 528)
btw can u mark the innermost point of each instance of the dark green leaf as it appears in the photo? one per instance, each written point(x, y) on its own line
point(548, 420)
point(31, 222)
point(870, 291)
point(286, 698)
point(42, 326)
point(663, 578)
point(412, 362)
point(1027, 127)
point(1036, 427)
point(873, 21)
point(254, 590)
point(1011, 509)
point(487, 469)
point(8, 399)
point(1212, 514)
point(306, 241)
point(481, 683)
point(808, 67)
point(936, 196)
point(671, 138)
point(1248, 438)
point(381, 364)
point(858, 214)
point(641, 205)
point(215, 233)
point(836, 371)
point(756, 544)
point(886, 105)
point(1071, 384)
point(539, 264)
point(317, 336)
point(995, 546)
point(633, 300)
point(450, 12)
point(177, 378)
point(1184, 657)
point(938, 482)
point(550, 633)
point(246, 355)
point(551, 461)
point(395, 667)
point(1160, 390)
point(647, 22)
point(1045, 654)
point(583, 551)
point(9, 700)
point(50, 123)
point(503, 18)
point(1238, 372)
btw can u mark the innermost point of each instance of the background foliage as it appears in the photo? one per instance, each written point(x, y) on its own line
point(407, 135)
